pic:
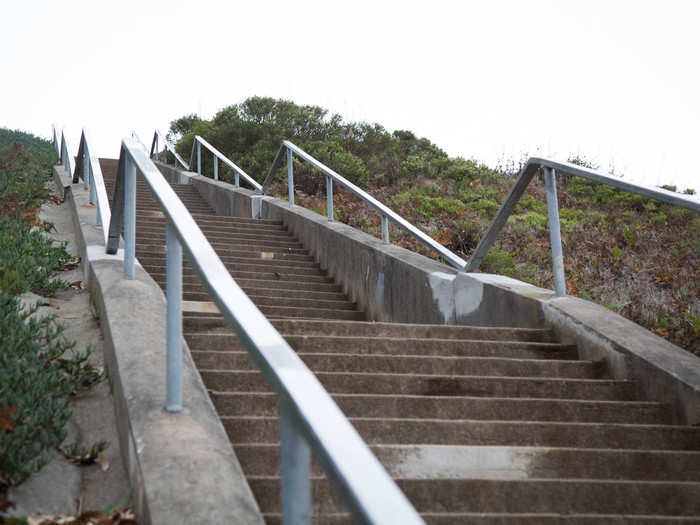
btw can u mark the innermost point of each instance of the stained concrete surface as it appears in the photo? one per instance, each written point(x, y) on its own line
point(62, 487)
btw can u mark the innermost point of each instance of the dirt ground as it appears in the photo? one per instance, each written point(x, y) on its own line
point(62, 487)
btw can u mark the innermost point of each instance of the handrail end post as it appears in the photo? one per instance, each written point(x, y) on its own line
point(385, 229)
point(329, 197)
point(173, 398)
point(290, 176)
point(295, 463)
point(129, 218)
point(555, 232)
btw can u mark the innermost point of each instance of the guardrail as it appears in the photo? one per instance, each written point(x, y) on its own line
point(89, 165)
point(309, 418)
point(157, 138)
point(237, 172)
point(386, 213)
point(550, 167)
point(62, 151)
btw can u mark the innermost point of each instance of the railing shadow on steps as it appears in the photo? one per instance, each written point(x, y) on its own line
point(550, 168)
point(309, 418)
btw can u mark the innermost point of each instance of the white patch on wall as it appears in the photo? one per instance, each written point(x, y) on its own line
point(441, 285)
point(468, 295)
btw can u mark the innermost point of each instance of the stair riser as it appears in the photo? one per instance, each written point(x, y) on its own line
point(443, 462)
point(528, 496)
point(242, 381)
point(419, 407)
point(409, 365)
point(380, 346)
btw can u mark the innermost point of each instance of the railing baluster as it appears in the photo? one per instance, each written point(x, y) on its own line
point(329, 196)
point(216, 167)
point(86, 175)
point(385, 229)
point(129, 217)
point(290, 177)
point(199, 158)
point(91, 177)
point(173, 399)
point(554, 232)
point(237, 179)
point(295, 462)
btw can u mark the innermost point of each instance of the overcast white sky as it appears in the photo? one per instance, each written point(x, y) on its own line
point(615, 81)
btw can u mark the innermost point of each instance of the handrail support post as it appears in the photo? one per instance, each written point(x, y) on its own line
point(86, 169)
point(290, 177)
point(199, 158)
point(329, 196)
point(91, 178)
point(385, 229)
point(156, 146)
point(129, 217)
point(216, 167)
point(295, 463)
point(555, 232)
point(173, 399)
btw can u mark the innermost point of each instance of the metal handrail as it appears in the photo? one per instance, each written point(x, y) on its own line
point(385, 212)
point(238, 172)
point(65, 158)
point(550, 166)
point(309, 418)
point(157, 137)
point(89, 165)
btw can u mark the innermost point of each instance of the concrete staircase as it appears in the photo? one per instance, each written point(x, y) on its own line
point(476, 424)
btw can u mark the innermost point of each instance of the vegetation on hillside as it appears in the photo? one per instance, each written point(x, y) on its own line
point(633, 255)
point(35, 374)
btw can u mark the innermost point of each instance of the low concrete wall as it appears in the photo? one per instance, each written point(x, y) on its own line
point(181, 466)
point(396, 285)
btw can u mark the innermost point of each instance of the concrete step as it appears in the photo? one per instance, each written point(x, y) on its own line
point(374, 329)
point(297, 291)
point(458, 407)
point(224, 239)
point(436, 385)
point(395, 431)
point(156, 267)
point(148, 245)
point(484, 462)
point(248, 250)
point(218, 222)
point(484, 518)
point(312, 313)
point(400, 364)
point(281, 266)
point(531, 496)
point(226, 340)
point(223, 231)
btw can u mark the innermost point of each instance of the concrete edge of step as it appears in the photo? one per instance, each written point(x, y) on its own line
point(181, 466)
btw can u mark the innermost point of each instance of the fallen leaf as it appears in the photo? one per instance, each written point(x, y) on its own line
point(7, 421)
point(103, 462)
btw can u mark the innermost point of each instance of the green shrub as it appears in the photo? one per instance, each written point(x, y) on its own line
point(499, 262)
point(29, 259)
point(35, 380)
point(532, 219)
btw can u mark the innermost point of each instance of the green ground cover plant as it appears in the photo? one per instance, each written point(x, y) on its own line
point(638, 257)
point(38, 374)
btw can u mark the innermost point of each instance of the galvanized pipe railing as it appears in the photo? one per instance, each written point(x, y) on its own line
point(88, 165)
point(550, 168)
point(309, 418)
point(237, 172)
point(155, 149)
point(386, 213)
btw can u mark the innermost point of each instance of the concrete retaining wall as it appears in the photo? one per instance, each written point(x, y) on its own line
point(396, 285)
point(181, 466)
